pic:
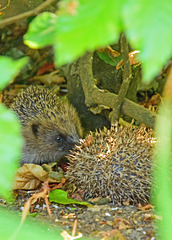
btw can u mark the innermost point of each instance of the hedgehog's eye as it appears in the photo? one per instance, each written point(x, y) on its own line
point(59, 138)
point(35, 129)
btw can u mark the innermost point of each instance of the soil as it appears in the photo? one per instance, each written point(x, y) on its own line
point(96, 221)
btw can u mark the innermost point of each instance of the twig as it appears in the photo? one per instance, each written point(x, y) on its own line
point(32, 12)
point(94, 95)
point(8, 4)
point(66, 235)
point(115, 114)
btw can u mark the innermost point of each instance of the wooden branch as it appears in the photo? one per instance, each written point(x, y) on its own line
point(8, 4)
point(115, 113)
point(32, 12)
point(94, 95)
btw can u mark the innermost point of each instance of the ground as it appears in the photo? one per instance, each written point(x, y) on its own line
point(96, 221)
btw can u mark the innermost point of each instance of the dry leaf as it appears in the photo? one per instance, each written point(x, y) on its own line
point(155, 100)
point(50, 78)
point(30, 176)
point(109, 51)
point(46, 67)
point(132, 58)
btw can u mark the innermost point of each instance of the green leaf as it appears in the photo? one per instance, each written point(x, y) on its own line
point(148, 25)
point(41, 31)
point(10, 148)
point(96, 24)
point(9, 69)
point(109, 59)
point(60, 196)
point(31, 229)
point(162, 174)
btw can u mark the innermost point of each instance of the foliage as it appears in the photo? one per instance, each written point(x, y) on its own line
point(30, 229)
point(109, 59)
point(162, 175)
point(60, 196)
point(10, 136)
point(10, 149)
point(94, 24)
point(9, 69)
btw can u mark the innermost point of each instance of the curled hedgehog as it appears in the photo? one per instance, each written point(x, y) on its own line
point(115, 163)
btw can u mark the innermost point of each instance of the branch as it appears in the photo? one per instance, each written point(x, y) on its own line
point(127, 75)
point(32, 12)
point(94, 95)
point(8, 4)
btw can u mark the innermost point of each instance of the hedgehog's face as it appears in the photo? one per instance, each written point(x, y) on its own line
point(47, 143)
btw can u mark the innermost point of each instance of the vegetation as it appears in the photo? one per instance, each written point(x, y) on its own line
point(81, 26)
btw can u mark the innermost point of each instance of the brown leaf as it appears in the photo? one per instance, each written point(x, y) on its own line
point(155, 100)
point(46, 67)
point(132, 58)
point(50, 78)
point(30, 176)
point(109, 51)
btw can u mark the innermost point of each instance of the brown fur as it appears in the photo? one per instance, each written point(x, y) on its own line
point(50, 127)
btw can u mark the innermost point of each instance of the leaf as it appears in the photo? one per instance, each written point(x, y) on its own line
point(109, 59)
point(30, 176)
point(42, 31)
point(10, 149)
point(9, 68)
point(147, 26)
point(46, 67)
point(31, 229)
point(162, 197)
point(96, 24)
point(133, 58)
point(60, 196)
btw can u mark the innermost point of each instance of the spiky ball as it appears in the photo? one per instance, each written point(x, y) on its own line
point(114, 163)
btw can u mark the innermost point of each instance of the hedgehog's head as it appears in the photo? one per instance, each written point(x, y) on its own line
point(49, 138)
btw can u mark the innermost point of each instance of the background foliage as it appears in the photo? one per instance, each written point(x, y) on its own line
point(94, 24)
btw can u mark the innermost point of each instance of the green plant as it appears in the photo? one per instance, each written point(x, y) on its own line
point(93, 24)
point(10, 137)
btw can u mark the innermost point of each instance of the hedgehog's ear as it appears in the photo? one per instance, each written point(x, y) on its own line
point(35, 128)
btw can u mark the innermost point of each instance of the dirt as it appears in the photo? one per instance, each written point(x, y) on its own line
point(95, 221)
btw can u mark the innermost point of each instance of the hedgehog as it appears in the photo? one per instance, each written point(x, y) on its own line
point(114, 164)
point(50, 126)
